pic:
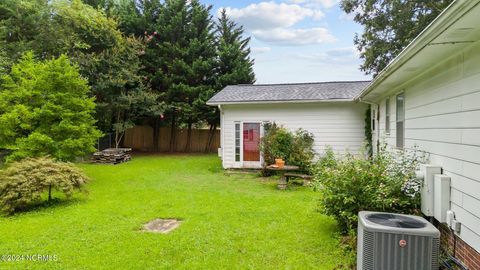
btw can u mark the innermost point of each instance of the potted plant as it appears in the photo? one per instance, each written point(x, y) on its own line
point(280, 162)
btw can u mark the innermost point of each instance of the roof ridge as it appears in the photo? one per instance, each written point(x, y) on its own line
point(305, 83)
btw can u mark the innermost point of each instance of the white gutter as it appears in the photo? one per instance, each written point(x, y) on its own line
point(280, 101)
point(449, 16)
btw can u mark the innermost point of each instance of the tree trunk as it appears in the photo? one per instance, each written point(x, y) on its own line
point(173, 139)
point(211, 135)
point(118, 133)
point(49, 193)
point(207, 143)
point(156, 134)
point(188, 145)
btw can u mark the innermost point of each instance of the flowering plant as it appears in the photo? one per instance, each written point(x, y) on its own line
point(385, 182)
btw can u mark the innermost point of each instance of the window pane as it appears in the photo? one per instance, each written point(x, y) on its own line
point(400, 120)
point(400, 134)
point(387, 115)
point(237, 142)
point(373, 119)
point(400, 107)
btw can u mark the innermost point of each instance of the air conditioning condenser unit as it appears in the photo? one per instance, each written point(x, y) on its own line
point(389, 241)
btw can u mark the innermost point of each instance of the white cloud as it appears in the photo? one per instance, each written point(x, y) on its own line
point(259, 50)
point(313, 3)
point(347, 55)
point(268, 15)
point(295, 36)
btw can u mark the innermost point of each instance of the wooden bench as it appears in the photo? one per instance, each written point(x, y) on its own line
point(307, 179)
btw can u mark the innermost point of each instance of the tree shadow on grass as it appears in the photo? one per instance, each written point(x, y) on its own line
point(46, 205)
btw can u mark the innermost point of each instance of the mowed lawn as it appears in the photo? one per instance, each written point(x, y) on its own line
point(229, 221)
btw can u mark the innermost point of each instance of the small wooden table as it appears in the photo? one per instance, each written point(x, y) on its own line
point(282, 182)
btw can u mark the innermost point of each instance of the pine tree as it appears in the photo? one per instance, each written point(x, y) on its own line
point(181, 55)
point(165, 62)
point(201, 58)
point(233, 66)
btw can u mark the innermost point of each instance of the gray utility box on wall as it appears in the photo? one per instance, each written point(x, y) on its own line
point(389, 241)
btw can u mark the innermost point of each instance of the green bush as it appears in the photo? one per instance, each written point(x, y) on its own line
point(24, 182)
point(295, 148)
point(383, 183)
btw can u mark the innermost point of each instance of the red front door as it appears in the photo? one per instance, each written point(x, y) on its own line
point(251, 142)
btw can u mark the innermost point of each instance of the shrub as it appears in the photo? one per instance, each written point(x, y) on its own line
point(383, 183)
point(295, 148)
point(24, 182)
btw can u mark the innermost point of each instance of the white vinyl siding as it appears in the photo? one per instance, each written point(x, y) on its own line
point(339, 125)
point(442, 117)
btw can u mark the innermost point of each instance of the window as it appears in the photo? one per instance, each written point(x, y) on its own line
point(372, 117)
point(387, 116)
point(237, 142)
point(400, 120)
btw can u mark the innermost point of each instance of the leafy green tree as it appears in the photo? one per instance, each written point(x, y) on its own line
point(45, 109)
point(52, 28)
point(108, 59)
point(123, 96)
point(389, 26)
point(4, 63)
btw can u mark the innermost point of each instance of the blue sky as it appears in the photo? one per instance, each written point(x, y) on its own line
point(298, 40)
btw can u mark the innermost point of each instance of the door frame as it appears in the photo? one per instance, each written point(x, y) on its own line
point(242, 163)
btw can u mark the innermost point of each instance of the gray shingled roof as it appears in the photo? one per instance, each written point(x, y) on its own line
point(301, 92)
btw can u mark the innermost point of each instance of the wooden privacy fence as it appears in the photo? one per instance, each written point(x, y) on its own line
point(141, 138)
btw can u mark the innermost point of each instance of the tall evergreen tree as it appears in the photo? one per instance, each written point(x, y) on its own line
point(165, 62)
point(181, 55)
point(389, 26)
point(233, 66)
point(234, 63)
point(201, 59)
point(135, 17)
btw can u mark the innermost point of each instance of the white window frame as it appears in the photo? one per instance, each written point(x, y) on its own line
point(240, 130)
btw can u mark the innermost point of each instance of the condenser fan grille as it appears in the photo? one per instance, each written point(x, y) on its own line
point(397, 221)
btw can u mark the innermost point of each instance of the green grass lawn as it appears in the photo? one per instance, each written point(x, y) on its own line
point(229, 222)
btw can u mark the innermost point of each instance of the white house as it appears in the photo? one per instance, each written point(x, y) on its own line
point(327, 110)
point(429, 97)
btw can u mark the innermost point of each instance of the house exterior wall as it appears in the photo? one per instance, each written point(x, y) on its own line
point(336, 124)
point(442, 117)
